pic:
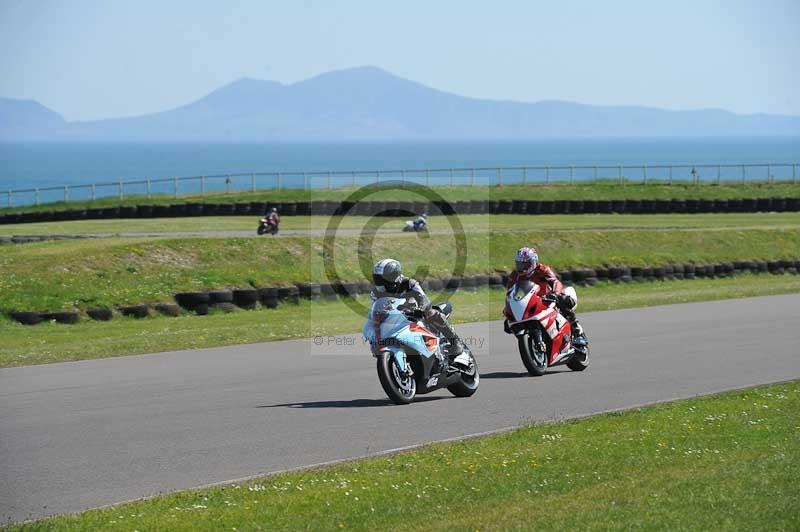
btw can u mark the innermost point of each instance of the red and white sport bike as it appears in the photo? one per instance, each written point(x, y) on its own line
point(544, 335)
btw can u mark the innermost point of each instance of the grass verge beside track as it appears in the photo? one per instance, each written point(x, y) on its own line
point(724, 462)
point(88, 273)
point(604, 190)
point(51, 342)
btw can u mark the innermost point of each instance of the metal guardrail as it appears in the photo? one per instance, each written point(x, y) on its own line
point(696, 174)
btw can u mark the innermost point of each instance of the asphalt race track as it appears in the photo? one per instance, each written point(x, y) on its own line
point(84, 434)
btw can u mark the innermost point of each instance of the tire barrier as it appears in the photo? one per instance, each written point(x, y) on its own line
point(167, 309)
point(407, 208)
point(271, 297)
point(246, 298)
point(61, 317)
point(100, 314)
point(135, 311)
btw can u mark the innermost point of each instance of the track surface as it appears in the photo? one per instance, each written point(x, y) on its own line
point(83, 434)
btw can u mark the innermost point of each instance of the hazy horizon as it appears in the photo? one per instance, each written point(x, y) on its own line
point(93, 60)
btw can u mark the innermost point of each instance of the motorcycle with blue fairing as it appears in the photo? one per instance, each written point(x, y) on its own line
point(411, 358)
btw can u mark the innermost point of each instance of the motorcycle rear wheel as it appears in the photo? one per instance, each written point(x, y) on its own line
point(467, 385)
point(400, 390)
point(579, 360)
point(534, 360)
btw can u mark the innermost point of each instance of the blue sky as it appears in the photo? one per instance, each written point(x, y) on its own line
point(91, 59)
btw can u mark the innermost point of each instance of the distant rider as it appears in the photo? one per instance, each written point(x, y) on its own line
point(389, 281)
point(273, 218)
point(527, 266)
point(421, 223)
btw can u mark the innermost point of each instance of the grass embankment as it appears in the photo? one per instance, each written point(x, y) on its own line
point(88, 273)
point(545, 222)
point(51, 342)
point(604, 190)
point(724, 462)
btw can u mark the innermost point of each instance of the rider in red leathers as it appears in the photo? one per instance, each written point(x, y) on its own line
point(527, 266)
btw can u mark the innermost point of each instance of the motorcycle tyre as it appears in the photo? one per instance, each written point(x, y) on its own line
point(525, 347)
point(386, 367)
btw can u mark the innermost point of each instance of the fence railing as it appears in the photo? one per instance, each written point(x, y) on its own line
point(669, 174)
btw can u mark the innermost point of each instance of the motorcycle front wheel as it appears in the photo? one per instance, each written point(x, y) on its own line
point(399, 389)
point(533, 358)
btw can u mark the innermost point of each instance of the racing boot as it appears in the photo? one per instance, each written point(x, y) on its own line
point(444, 328)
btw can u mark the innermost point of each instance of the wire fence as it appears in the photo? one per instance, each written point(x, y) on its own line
point(669, 174)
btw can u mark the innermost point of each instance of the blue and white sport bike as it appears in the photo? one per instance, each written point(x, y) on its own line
point(411, 358)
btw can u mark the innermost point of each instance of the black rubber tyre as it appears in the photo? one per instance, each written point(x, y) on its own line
point(225, 306)
point(261, 229)
point(27, 318)
point(168, 309)
point(220, 296)
point(534, 361)
point(61, 317)
point(246, 298)
point(468, 384)
point(400, 391)
point(580, 360)
point(100, 314)
point(135, 311)
point(189, 300)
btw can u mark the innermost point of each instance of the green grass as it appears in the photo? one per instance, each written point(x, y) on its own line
point(51, 342)
point(599, 191)
point(104, 272)
point(724, 462)
point(438, 224)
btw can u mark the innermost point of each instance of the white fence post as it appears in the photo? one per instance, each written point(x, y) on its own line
point(644, 173)
point(744, 175)
point(66, 193)
point(670, 174)
point(305, 181)
point(571, 174)
point(121, 190)
point(10, 200)
point(794, 173)
point(769, 174)
point(148, 189)
point(94, 192)
point(500, 176)
point(37, 196)
point(175, 185)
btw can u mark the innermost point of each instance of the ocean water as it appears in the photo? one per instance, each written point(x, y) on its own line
point(44, 165)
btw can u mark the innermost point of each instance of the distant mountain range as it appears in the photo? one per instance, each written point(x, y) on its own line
point(370, 103)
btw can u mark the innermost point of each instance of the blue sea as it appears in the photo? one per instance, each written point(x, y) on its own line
point(43, 165)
